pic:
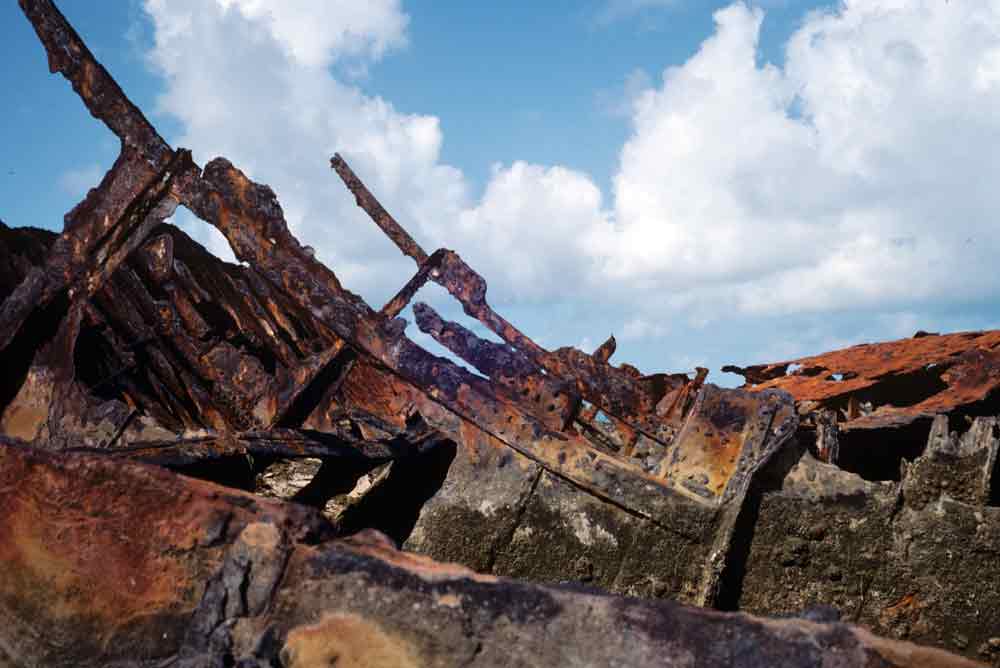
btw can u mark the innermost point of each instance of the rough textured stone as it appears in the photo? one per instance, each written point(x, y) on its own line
point(917, 559)
point(817, 540)
point(133, 591)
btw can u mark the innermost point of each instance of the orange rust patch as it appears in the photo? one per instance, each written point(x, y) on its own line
point(92, 547)
point(449, 600)
point(102, 544)
point(26, 415)
point(957, 369)
point(347, 641)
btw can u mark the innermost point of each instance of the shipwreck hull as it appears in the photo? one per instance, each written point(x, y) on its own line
point(125, 344)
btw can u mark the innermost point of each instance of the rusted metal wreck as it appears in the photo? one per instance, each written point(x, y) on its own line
point(124, 338)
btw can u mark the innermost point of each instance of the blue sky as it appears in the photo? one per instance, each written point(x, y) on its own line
point(714, 182)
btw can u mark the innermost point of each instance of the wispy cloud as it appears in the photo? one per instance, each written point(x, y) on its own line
point(619, 102)
point(618, 10)
point(77, 182)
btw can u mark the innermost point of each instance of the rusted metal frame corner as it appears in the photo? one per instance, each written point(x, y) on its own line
point(86, 225)
point(221, 196)
point(401, 299)
point(469, 288)
point(286, 389)
point(69, 55)
point(144, 213)
point(90, 250)
point(89, 247)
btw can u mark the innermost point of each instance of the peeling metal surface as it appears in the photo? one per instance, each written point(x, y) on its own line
point(877, 385)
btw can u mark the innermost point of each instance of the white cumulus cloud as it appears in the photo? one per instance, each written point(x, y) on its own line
point(856, 175)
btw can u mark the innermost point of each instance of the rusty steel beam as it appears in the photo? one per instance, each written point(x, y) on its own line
point(604, 351)
point(406, 244)
point(94, 239)
point(547, 399)
point(100, 232)
point(289, 443)
point(101, 94)
point(401, 299)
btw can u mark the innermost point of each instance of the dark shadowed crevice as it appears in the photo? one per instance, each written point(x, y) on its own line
point(312, 396)
point(900, 390)
point(877, 454)
point(994, 497)
point(335, 477)
point(508, 536)
point(237, 471)
point(215, 316)
point(93, 357)
point(267, 359)
point(960, 418)
point(734, 571)
point(393, 507)
point(15, 360)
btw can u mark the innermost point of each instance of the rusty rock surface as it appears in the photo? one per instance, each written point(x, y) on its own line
point(917, 558)
point(167, 570)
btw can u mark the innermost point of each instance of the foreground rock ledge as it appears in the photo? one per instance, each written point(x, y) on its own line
point(124, 564)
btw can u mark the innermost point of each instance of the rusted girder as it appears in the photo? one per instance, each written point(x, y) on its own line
point(386, 222)
point(288, 443)
point(604, 351)
point(549, 400)
point(402, 298)
point(596, 381)
point(103, 97)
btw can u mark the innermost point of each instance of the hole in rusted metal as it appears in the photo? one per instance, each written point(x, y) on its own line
point(877, 454)
point(237, 471)
point(335, 476)
point(95, 369)
point(38, 330)
point(394, 506)
point(960, 419)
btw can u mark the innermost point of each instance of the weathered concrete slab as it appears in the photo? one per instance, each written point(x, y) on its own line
point(917, 559)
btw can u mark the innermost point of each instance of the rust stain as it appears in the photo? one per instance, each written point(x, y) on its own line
point(347, 641)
